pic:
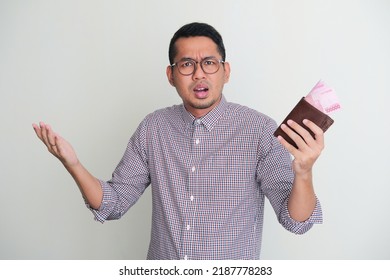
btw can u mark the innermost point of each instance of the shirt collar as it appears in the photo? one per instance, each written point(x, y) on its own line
point(209, 120)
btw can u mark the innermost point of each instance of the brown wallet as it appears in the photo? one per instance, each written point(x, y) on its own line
point(304, 110)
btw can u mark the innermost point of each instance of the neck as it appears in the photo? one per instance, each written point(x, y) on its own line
point(199, 112)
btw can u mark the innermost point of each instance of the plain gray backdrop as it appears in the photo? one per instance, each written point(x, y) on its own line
point(93, 69)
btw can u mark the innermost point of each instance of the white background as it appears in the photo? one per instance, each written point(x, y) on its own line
point(93, 69)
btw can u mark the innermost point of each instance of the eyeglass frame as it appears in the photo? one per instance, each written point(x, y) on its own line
point(220, 61)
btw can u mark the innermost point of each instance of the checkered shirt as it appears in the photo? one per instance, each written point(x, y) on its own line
point(209, 179)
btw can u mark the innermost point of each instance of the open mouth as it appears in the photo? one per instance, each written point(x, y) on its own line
point(201, 91)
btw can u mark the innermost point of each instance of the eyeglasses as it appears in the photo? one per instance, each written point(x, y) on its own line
point(209, 65)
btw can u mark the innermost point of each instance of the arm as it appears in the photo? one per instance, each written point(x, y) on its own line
point(89, 186)
point(302, 199)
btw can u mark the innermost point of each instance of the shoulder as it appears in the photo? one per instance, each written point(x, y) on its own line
point(157, 121)
point(164, 116)
point(167, 113)
point(245, 115)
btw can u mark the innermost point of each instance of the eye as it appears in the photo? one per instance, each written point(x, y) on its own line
point(186, 64)
point(209, 62)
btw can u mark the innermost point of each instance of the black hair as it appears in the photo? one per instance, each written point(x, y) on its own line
point(196, 29)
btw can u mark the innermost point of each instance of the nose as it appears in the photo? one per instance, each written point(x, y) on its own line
point(198, 73)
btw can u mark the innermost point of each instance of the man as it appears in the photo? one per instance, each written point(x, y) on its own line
point(210, 163)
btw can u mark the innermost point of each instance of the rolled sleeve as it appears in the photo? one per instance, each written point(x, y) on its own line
point(108, 203)
point(300, 227)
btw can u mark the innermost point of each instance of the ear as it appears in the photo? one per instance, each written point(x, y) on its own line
point(170, 75)
point(227, 71)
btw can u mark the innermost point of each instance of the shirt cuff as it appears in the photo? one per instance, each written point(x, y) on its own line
point(107, 205)
point(301, 227)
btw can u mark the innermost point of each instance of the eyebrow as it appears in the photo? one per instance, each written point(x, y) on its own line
point(190, 58)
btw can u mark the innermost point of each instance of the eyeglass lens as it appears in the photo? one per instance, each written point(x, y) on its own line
point(188, 66)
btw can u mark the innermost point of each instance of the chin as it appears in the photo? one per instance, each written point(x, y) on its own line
point(203, 103)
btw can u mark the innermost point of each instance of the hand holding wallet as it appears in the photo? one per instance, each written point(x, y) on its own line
point(323, 101)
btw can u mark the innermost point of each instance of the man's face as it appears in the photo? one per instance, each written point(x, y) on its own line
point(200, 92)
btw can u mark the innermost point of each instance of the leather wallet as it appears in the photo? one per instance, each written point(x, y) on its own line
point(304, 110)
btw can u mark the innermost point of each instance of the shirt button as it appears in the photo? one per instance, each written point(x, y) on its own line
point(193, 169)
point(185, 257)
point(188, 227)
point(192, 198)
point(197, 141)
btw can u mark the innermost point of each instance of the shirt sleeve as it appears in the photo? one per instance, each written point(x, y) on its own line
point(276, 178)
point(129, 179)
point(300, 227)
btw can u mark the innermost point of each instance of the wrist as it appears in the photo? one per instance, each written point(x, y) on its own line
point(73, 166)
point(304, 175)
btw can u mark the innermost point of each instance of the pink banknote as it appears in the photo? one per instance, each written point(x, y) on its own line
point(323, 98)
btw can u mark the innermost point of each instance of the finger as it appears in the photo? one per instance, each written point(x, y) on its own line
point(50, 135)
point(292, 150)
point(44, 139)
point(37, 130)
point(47, 136)
point(55, 149)
point(316, 140)
point(294, 135)
point(58, 146)
point(318, 132)
point(303, 132)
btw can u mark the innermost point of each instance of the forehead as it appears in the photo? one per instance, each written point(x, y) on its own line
point(195, 47)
